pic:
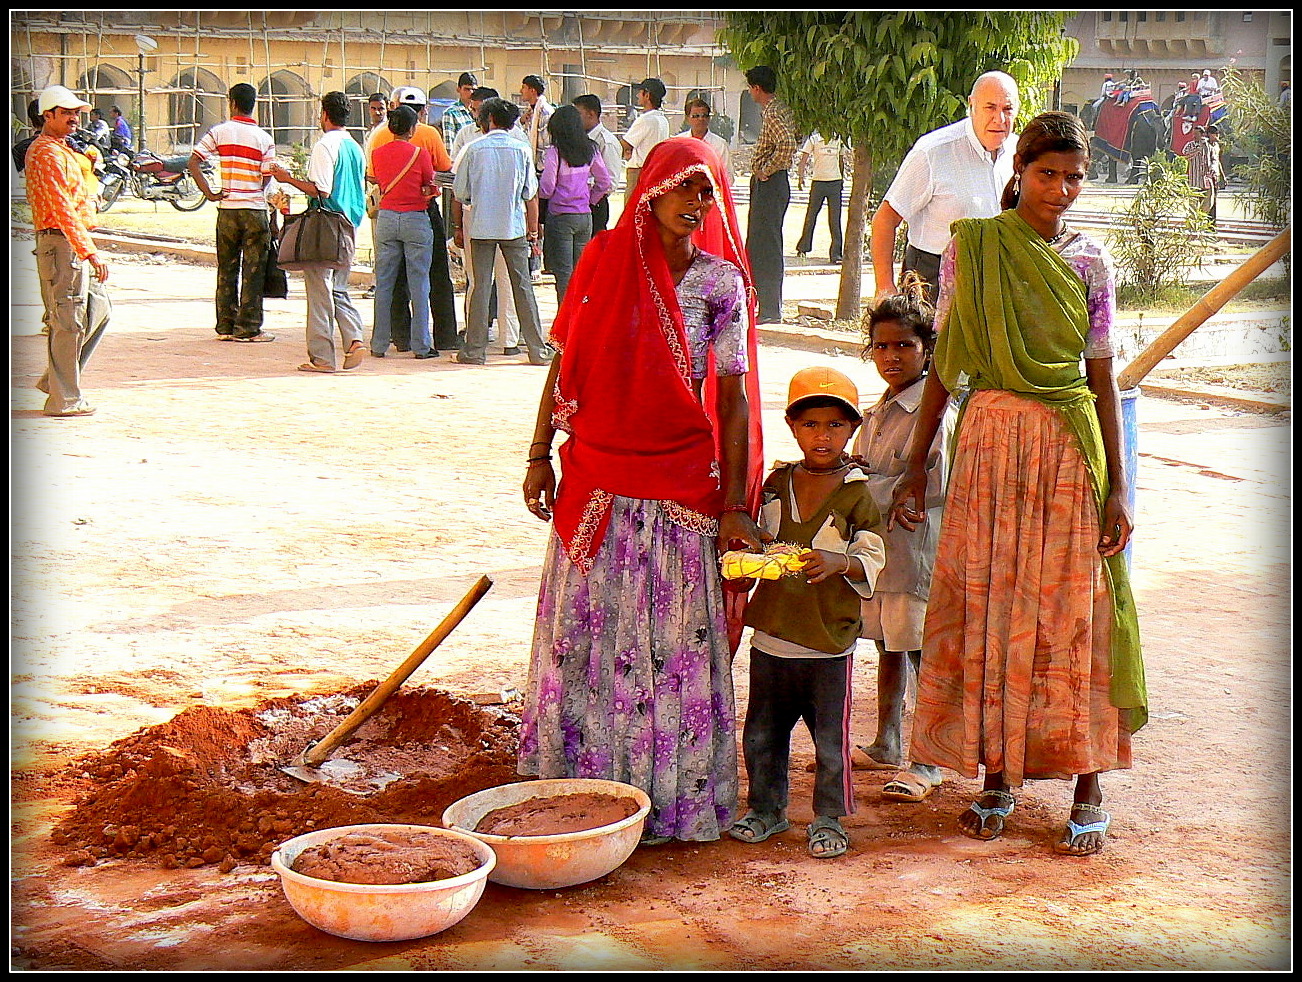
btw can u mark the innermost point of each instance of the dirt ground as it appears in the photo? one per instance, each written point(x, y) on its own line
point(226, 531)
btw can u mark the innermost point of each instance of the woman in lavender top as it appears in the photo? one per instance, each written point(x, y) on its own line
point(574, 178)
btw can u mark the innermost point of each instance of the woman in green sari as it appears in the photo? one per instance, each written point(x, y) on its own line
point(1030, 661)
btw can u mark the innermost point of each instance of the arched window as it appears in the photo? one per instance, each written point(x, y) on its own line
point(286, 109)
point(193, 112)
point(105, 86)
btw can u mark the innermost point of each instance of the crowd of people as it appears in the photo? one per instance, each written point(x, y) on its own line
point(976, 533)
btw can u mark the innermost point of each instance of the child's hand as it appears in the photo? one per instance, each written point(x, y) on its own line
point(823, 565)
point(908, 504)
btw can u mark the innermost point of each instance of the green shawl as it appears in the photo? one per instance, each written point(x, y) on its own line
point(1007, 277)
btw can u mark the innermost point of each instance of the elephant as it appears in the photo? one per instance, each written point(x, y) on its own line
point(1132, 135)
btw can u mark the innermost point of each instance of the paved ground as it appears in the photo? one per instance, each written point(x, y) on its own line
point(227, 529)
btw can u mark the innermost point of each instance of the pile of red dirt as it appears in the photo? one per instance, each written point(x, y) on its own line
point(205, 788)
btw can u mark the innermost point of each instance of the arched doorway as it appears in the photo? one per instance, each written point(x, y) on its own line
point(22, 90)
point(105, 86)
point(192, 113)
point(285, 108)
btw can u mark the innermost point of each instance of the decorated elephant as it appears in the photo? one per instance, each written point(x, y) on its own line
point(1129, 132)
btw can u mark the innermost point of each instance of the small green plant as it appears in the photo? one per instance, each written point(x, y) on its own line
point(298, 158)
point(1285, 335)
point(1159, 240)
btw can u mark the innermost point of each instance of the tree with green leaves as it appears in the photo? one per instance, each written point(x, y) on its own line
point(1263, 131)
point(881, 79)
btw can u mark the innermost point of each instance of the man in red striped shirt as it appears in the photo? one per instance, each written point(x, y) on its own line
point(245, 153)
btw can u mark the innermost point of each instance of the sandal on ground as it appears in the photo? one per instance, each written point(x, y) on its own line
point(1102, 820)
point(651, 839)
point(989, 829)
point(909, 786)
point(860, 760)
point(311, 366)
point(752, 827)
point(827, 839)
point(261, 338)
point(355, 355)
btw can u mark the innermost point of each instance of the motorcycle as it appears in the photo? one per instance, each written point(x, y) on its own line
point(150, 177)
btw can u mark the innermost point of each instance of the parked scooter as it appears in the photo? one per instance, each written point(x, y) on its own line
point(150, 177)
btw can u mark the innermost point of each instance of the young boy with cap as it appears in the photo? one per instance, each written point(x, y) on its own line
point(806, 623)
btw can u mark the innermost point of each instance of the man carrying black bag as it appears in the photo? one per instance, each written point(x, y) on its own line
point(335, 174)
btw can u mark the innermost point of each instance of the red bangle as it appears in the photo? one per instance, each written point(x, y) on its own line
point(743, 509)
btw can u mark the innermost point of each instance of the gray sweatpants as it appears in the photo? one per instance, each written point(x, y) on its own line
point(328, 307)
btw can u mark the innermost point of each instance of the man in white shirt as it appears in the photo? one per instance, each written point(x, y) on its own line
point(957, 171)
point(647, 130)
point(589, 107)
point(826, 184)
point(698, 121)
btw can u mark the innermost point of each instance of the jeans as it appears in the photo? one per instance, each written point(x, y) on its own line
point(243, 235)
point(404, 242)
point(768, 207)
point(820, 191)
point(77, 310)
point(328, 307)
point(441, 299)
point(516, 253)
point(566, 236)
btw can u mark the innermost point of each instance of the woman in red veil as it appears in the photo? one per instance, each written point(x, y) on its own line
point(630, 677)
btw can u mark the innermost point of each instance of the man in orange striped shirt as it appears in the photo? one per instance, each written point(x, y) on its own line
point(77, 305)
point(245, 152)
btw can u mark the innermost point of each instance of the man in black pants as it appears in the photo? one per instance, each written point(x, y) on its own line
point(770, 192)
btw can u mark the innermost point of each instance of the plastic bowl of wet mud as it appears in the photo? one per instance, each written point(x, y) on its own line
point(383, 911)
point(547, 862)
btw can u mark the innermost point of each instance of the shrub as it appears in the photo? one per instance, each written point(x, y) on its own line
point(1159, 240)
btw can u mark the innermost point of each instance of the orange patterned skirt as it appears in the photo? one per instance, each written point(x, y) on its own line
point(1016, 646)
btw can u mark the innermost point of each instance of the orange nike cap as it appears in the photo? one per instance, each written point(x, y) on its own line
point(810, 382)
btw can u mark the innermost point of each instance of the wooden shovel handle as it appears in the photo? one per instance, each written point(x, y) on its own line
point(318, 753)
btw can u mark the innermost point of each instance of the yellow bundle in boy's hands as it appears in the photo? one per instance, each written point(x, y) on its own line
point(779, 559)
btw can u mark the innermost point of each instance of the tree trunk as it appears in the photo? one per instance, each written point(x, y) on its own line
point(847, 301)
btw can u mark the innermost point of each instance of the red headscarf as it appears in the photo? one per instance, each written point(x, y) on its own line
point(624, 391)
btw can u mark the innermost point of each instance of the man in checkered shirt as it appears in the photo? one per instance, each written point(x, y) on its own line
point(770, 191)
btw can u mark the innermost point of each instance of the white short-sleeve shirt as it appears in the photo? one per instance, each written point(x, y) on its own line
point(948, 175)
point(647, 130)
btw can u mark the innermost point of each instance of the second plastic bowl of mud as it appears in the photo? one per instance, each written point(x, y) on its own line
point(548, 862)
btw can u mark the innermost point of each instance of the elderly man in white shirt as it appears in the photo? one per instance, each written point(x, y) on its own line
point(647, 130)
point(957, 171)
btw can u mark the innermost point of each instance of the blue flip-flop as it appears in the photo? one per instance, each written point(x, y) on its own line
point(1067, 847)
point(1000, 812)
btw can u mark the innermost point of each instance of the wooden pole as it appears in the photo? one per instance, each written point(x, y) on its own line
point(1208, 304)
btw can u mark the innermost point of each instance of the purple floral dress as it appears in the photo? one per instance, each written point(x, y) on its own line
point(630, 677)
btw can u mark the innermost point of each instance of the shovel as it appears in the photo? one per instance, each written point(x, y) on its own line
point(306, 766)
